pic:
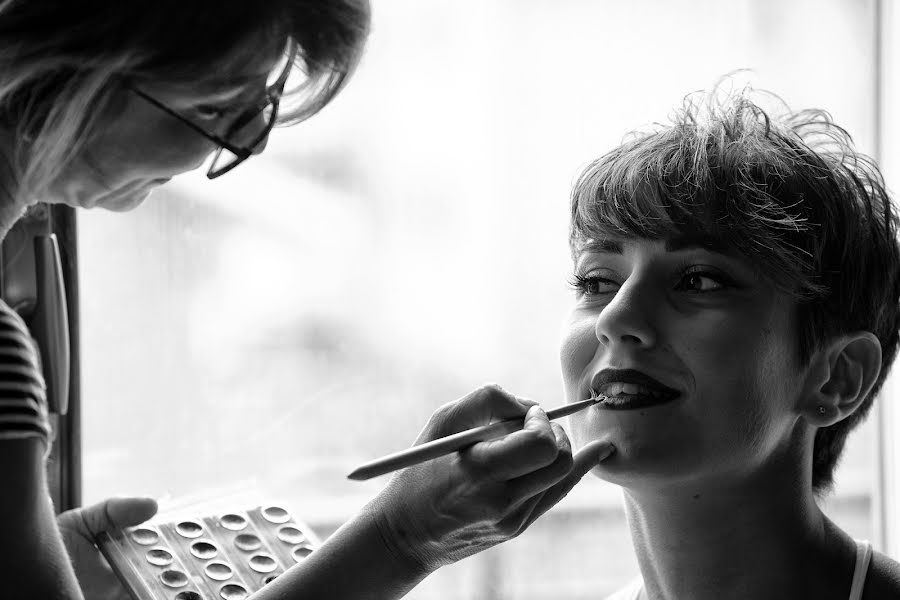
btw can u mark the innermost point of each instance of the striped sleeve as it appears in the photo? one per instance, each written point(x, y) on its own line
point(23, 393)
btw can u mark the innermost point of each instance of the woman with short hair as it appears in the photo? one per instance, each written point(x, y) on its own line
point(737, 281)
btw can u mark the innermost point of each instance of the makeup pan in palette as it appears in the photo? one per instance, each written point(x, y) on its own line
point(220, 555)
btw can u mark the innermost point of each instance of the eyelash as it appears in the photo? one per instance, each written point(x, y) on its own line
point(220, 111)
point(203, 112)
point(721, 279)
point(583, 284)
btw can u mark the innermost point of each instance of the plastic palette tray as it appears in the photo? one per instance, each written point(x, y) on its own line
point(207, 555)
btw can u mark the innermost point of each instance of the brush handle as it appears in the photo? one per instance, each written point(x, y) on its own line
point(452, 443)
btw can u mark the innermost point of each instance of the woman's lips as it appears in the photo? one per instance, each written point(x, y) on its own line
point(632, 401)
point(629, 389)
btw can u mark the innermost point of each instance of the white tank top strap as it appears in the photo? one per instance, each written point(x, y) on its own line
point(863, 557)
point(632, 591)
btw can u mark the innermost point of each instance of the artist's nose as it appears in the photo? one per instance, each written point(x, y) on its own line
point(261, 145)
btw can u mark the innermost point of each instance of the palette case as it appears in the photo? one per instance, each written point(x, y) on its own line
point(208, 551)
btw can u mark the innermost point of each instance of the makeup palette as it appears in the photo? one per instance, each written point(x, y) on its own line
point(196, 554)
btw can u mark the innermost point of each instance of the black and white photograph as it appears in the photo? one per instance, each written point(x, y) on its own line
point(449, 300)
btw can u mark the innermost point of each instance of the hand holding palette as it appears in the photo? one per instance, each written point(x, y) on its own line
point(202, 554)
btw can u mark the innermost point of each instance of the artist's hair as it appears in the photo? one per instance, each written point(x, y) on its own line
point(60, 61)
point(789, 193)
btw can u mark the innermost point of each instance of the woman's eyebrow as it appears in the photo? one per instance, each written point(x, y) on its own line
point(225, 95)
point(208, 95)
point(672, 244)
point(235, 87)
point(697, 242)
point(608, 246)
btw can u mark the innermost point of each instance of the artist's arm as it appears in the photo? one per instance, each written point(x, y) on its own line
point(34, 563)
point(436, 513)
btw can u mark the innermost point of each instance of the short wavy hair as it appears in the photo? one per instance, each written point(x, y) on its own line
point(61, 60)
point(788, 192)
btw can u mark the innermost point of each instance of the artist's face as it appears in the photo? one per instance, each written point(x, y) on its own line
point(141, 146)
point(710, 359)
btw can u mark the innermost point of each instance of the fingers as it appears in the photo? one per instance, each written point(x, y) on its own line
point(486, 404)
point(586, 459)
point(113, 513)
point(538, 444)
point(457, 505)
point(534, 481)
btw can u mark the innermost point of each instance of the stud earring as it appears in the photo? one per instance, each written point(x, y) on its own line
point(822, 410)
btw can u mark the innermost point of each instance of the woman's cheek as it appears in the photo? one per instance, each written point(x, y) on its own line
point(175, 154)
point(576, 353)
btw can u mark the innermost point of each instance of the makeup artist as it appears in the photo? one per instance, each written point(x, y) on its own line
point(100, 102)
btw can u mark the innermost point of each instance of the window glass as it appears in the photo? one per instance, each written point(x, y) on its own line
point(308, 311)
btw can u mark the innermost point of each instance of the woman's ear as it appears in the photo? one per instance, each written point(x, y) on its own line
point(840, 376)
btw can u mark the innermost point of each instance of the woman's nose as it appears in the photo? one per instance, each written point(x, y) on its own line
point(261, 145)
point(628, 318)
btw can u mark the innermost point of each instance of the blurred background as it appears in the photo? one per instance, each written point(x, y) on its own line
point(308, 311)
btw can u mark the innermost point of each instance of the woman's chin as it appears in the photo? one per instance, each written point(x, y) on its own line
point(124, 203)
point(129, 197)
point(638, 462)
point(120, 199)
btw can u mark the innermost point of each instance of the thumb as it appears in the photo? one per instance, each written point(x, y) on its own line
point(125, 512)
point(112, 513)
point(586, 459)
point(592, 455)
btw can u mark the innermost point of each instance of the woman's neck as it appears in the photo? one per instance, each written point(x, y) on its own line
point(765, 538)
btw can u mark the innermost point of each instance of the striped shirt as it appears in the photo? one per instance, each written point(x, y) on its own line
point(23, 392)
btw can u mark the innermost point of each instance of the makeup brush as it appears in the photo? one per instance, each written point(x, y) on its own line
point(457, 441)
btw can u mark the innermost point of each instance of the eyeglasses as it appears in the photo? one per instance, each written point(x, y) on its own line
point(254, 124)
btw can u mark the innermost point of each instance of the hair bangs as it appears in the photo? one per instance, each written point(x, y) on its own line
point(615, 196)
point(244, 38)
point(716, 172)
point(329, 58)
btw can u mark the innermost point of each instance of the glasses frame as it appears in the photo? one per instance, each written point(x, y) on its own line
point(242, 153)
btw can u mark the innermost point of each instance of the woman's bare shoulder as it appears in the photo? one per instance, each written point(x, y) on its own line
point(883, 579)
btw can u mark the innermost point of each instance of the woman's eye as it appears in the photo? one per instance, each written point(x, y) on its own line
point(701, 281)
point(208, 112)
point(592, 285)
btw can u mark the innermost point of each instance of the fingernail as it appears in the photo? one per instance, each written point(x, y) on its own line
point(526, 402)
point(536, 410)
point(606, 451)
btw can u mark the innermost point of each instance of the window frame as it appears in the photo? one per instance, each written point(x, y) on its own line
point(886, 495)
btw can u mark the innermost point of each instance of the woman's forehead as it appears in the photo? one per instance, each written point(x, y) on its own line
point(620, 244)
point(219, 87)
point(178, 94)
point(235, 69)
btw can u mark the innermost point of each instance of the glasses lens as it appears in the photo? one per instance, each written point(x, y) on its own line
point(245, 137)
point(252, 128)
point(223, 161)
